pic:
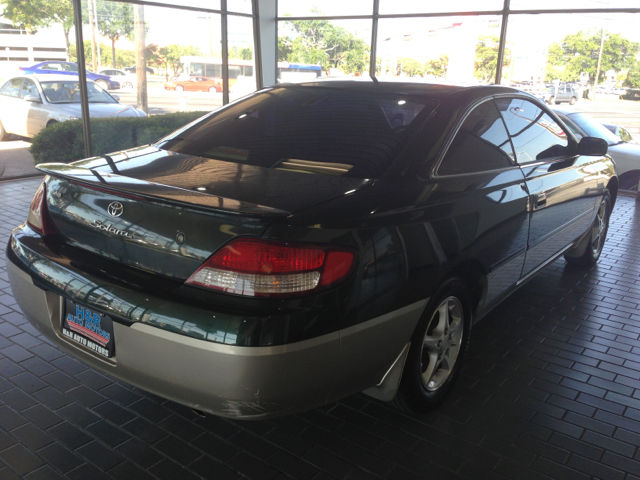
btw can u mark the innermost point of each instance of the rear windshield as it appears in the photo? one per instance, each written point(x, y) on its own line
point(306, 129)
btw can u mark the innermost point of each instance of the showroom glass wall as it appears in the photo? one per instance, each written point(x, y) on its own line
point(459, 41)
point(532, 46)
point(199, 55)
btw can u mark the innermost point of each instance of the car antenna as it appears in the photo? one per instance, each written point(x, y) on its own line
point(373, 77)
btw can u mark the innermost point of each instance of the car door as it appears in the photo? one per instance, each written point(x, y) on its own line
point(36, 116)
point(192, 85)
point(12, 106)
point(562, 95)
point(483, 201)
point(562, 188)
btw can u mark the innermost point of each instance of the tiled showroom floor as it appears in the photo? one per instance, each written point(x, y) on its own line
point(552, 390)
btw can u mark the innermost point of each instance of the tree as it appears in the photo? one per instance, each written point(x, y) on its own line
point(411, 67)
point(246, 53)
point(115, 20)
point(487, 58)
point(170, 56)
point(633, 77)
point(437, 66)
point(124, 58)
point(579, 53)
point(284, 49)
point(33, 15)
point(321, 42)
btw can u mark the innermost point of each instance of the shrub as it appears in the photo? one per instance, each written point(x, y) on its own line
point(632, 94)
point(64, 142)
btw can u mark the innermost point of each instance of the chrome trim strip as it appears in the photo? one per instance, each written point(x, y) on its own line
point(544, 264)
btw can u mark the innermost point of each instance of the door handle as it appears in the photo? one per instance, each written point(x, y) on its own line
point(540, 201)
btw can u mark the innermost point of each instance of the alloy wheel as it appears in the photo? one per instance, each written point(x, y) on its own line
point(599, 229)
point(441, 344)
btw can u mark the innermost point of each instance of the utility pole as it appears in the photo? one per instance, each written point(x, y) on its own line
point(93, 36)
point(141, 62)
point(95, 14)
point(595, 81)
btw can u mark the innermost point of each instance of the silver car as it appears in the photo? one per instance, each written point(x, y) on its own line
point(626, 155)
point(127, 80)
point(562, 93)
point(29, 104)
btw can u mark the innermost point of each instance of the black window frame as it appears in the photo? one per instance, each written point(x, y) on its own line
point(454, 133)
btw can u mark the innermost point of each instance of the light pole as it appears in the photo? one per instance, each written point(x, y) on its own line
point(595, 80)
point(7, 52)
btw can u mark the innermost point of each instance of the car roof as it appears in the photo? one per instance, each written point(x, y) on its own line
point(418, 88)
point(54, 61)
point(43, 77)
point(565, 111)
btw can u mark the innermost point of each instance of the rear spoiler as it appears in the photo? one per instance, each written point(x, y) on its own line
point(149, 191)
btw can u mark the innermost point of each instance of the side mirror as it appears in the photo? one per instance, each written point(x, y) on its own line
point(116, 97)
point(32, 98)
point(592, 146)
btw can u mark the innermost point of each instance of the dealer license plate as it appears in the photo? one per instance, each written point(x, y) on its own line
point(88, 328)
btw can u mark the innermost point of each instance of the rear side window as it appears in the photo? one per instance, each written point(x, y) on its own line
point(51, 66)
point(12, 88)
point(481, 144)
point(535, 135)
point(320, 130)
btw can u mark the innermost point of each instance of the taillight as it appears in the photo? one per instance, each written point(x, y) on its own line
point(39, 218)
point(263, 268)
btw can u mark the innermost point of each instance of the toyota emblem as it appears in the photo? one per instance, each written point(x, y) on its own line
point(115, 209)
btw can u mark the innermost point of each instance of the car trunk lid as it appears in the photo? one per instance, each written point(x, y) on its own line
point(171, 228)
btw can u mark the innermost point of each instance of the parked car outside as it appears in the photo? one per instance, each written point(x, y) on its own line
point(126, 79)
point(562, 93)
point(296, 246)
point(195, 84)
point(620, 132)
point(626, 155)
point(68, 68)
point(29, 104)
point(132, 69)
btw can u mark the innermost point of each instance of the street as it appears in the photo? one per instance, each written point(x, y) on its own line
point(165, 101)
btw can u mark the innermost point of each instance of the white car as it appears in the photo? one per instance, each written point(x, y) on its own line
point(626, 155)
point(126, 79)
point(29, 104)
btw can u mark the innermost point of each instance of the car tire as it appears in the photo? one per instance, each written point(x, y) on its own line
point(598, 235)
point(127, 85)
point(179, 88)
point(213, 89)
point(103, 84)
point(4, 135)
point(52, 122)
point(552, 101)
point(438, 345)
point(573, 101)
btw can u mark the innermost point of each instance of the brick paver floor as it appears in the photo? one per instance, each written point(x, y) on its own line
point(551, 390)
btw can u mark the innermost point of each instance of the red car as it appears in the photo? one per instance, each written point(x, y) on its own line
point(195, 84)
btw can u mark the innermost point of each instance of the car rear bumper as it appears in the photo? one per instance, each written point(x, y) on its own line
point(226, 380)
